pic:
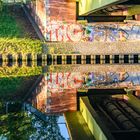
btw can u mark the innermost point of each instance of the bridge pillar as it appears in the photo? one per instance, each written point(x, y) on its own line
point(89, 6)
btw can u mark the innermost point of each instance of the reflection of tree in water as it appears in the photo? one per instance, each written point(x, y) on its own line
point(48, 130)
point(16, 126)
point(21, 125)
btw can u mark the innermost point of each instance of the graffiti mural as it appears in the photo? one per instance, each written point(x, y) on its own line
point(58, 31)
point(56, 27)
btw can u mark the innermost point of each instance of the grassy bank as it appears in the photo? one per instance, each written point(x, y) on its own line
point(13, 36)
point(14, 39)
point(16, 71)
point(8, 26)
point(16, 45)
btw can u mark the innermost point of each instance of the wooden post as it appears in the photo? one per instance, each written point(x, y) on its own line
point(35, 57)
point(92, 59)
point(83, 59)
point(5, 58)
point(138, 58)
point(131, 59)
point(23, 57)
point(102, 58)
point(121, 59)
point(15, 59)
point(23, 63)
point(111, 59)
point(44, 59)
point(63, 59)
point(54, 59)
point(73, 59)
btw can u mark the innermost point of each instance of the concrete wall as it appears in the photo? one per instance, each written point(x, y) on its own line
point(62, 10)
point(48, 14)
point(90, 117)
point(133, 101)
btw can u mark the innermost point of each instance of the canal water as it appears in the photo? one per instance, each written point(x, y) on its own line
point(33, 98)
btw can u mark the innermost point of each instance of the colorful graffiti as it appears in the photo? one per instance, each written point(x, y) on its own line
point(59, 24)
point(58, 31)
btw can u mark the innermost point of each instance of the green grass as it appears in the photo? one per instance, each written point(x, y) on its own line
point(12, 39)
point(16, 81)
point(16, 71)
point(17, 45)
point(8, 26)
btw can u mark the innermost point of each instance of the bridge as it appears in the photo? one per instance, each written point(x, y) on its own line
point(89, 7)
point(86, 121)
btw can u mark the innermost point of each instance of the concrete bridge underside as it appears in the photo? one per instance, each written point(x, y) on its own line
point(87, 7)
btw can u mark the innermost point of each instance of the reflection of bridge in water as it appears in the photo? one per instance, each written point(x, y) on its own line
point(57, 91)
point(61, 88)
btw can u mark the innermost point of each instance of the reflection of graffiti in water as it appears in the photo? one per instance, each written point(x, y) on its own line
point(57, 92)
point(115, 79)
point(60, 81)
point(105, 79)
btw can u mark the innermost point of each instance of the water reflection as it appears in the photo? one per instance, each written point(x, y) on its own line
point(19, 124)
point(57, 90)
point(45, 93)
